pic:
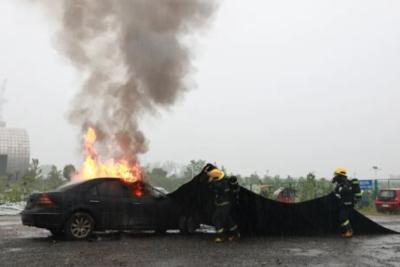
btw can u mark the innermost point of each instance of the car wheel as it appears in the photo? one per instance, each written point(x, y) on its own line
point(79, 226)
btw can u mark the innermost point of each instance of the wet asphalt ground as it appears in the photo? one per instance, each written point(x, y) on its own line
point(27, 246)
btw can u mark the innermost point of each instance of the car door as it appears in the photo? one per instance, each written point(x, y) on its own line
point(115, 204)
point(93, 201)
point(142, 212)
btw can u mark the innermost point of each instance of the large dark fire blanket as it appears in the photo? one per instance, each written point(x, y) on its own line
point(257, 215)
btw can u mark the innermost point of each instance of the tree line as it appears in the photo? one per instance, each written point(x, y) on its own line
point(14, 190)
point(306, 188)
point(169, 176)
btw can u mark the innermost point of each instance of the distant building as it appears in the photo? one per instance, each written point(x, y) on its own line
point(14, 146)
point(14, 152)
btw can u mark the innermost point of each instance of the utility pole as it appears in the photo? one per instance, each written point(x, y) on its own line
point(376, 169)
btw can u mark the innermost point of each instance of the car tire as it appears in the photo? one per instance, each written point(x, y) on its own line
point(79, 226)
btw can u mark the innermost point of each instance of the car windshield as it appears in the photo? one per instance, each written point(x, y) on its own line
point(387, 194)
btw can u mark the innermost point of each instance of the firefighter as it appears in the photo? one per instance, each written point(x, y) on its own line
point(344, 192)
point(223, 196)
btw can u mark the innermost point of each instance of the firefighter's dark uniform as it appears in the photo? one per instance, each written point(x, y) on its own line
point(343, 191)
point(235, 189)
point(225, 194)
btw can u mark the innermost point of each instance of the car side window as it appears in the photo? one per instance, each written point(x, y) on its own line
point(137, 189)
point(92, 192)
point(112, 189)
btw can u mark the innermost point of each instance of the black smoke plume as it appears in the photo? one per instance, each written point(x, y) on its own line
point(134, 58)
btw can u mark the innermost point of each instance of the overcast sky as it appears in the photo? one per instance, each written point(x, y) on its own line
point(281, 86)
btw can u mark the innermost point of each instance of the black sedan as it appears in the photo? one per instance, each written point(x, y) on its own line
point(77, 209)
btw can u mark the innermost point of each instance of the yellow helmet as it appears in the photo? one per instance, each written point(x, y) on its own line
point(216, 174)
point(341, 171)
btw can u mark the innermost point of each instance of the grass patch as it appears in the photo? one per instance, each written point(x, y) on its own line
point(370, 210)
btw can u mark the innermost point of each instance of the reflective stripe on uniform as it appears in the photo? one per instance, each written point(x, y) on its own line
point(356, 182)
point(222, 204)
point(233, 228)
point(348, 203)
point(346, 223)
point(220, 231)
point(359, 194)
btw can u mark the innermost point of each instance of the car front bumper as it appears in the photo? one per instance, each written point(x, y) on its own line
point(388, 206)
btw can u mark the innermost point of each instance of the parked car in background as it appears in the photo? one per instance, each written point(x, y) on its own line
point(101, 204)
point(388, 200)
point(285, 195)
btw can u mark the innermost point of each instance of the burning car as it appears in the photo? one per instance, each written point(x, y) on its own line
point(285, 195)
point(78, 209)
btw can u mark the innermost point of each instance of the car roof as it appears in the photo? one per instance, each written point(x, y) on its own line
point(100, 179)
point(74, 184)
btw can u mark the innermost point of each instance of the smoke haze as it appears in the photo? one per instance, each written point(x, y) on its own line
point(134, 61)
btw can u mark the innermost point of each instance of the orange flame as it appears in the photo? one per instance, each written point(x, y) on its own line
point(93, 167)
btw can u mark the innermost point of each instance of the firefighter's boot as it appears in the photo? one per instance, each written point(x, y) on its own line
point(234, 233)
point(234, 236)
point(348, 231)
point(348, 234)
point(220, 236)
point(219, 239)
